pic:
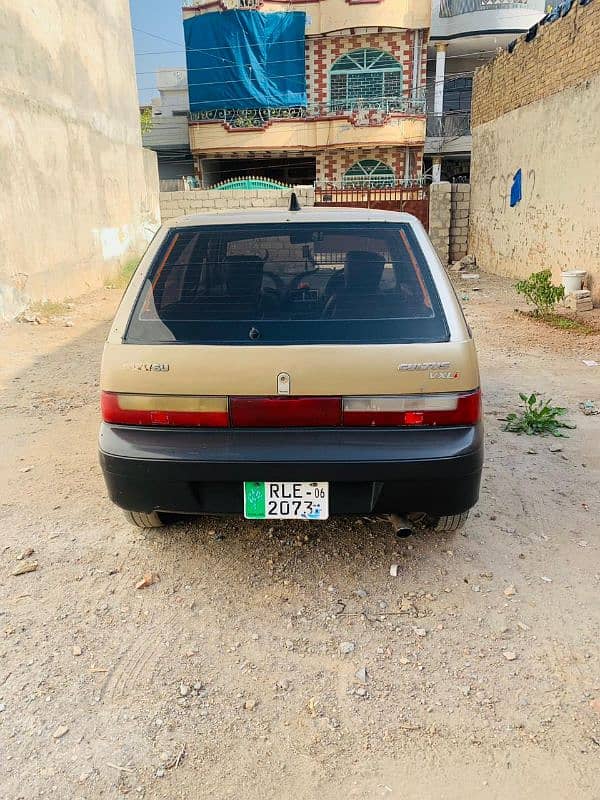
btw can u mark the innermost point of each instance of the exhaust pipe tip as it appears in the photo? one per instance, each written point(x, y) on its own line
point(402, 527)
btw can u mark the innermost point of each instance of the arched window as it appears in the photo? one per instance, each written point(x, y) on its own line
point(365, 78)
point(369, 172)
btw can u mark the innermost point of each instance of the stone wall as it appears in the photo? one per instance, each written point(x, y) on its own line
point(563, 54)
point(207, 201)
point(75, 202)
point(448, 209)
point(459, 220)
point(440, 195)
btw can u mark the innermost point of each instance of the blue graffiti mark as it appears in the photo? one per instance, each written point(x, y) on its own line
point(516, 191)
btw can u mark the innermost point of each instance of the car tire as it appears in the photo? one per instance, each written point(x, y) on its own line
point(142, 520)
point(448, 524)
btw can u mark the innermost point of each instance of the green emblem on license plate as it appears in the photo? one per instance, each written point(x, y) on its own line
point(255, 500)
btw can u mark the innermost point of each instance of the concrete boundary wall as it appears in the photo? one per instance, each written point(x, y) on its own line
point(78, 194)
point(535, 125)
point(207, 201)
point(555, 145)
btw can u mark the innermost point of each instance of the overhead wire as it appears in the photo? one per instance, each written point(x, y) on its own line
point(154, 35)
point(428, 81)
point(174, 156)
point(250, 44)
point(305, 39)
point(407, 92)
point(230, 47)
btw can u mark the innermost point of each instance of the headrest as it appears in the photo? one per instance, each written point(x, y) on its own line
point(243, 274)
point(363, 270)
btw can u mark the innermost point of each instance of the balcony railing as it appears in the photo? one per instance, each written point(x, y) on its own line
point(372, 182)
point(450, 125)
point(227, 5)
point(360, 112)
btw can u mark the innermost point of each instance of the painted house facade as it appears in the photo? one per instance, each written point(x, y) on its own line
point(358, 113)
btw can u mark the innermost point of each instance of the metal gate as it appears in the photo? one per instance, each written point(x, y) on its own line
point(413, 200)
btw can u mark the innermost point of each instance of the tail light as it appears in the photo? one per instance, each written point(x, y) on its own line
point(166, 410)
point(292, 412)
point(284, 412)
point(412, 410)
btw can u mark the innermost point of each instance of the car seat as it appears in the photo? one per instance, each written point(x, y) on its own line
point(243, 275)
point(357, 286)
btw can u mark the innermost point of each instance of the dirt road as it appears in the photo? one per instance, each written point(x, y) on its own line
point(240, 673)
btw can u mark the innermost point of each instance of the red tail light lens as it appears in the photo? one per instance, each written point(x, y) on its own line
point(165, 410)
point(291, 412)
point(285, 412)
point(413, 410)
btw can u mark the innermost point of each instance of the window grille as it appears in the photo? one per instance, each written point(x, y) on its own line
point(369, 172)
point(365, 77)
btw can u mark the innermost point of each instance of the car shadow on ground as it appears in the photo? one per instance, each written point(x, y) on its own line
point(343, 553)
point(51, 415)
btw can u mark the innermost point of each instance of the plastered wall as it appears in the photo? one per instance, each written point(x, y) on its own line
point(78, 194)
point(555, 144)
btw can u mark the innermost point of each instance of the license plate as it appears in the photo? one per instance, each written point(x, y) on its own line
point(273, 500)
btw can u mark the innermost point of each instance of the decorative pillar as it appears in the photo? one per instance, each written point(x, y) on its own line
point(407, 170)
point(440, 73)
point(416, 66)
point(199, 170)
point(436, 172)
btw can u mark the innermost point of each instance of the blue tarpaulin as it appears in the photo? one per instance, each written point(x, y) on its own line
point(245, 59)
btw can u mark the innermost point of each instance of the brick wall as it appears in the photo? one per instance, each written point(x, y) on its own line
point(563, 54)
point(333, 164)
point(323, 51)
point(459, 220)
point(208, 201)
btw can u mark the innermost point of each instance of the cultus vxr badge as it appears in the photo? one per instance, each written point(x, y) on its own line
point(438, 370)
point(424, 366)
point(141, 367)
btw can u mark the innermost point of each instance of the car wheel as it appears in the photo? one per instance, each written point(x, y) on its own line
point(142, 520)
point(447, 524)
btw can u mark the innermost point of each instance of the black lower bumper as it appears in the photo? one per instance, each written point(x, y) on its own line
point(435, 470)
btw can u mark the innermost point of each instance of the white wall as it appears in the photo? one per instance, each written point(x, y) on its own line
point(555, 143)
point(489, 19)
point(74, 199)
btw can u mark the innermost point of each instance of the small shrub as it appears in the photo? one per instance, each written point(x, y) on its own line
point(539, 291)
point(538, 419)
point(563, 323)
point(50, 308)
point(146, 121)
point(122, 278)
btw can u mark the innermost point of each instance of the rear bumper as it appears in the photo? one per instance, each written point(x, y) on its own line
point(436, 470)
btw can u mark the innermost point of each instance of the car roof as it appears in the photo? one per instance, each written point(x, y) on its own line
point(310, 214)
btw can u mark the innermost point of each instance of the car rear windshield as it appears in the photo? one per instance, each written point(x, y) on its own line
point(289, 283)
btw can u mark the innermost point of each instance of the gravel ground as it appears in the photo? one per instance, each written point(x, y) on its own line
point(284, 661)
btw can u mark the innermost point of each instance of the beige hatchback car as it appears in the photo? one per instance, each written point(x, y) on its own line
point(291, 364)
